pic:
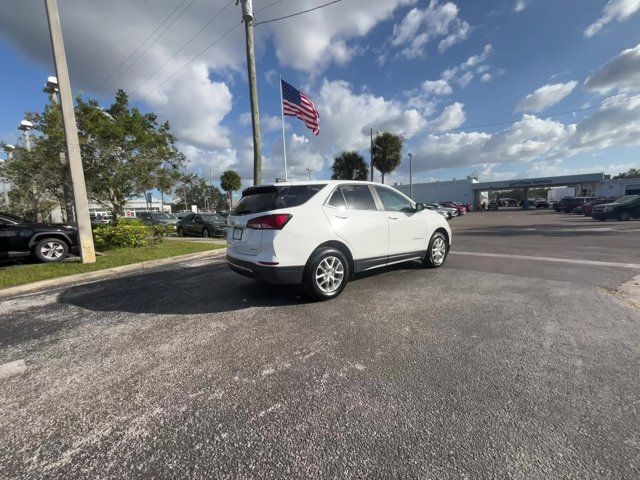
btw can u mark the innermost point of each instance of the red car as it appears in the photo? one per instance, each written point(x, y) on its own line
point(458, 206)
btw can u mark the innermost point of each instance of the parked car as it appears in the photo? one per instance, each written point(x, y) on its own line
point(203, 225)
point(622, 209)
point(157, 218)
point(460, 208)
point(319, 234)
point(588, 207)
point(441, 211)
point(493, 205)
point(567, 204)
point(44, 241)
point(451, 212)
point(541, 203)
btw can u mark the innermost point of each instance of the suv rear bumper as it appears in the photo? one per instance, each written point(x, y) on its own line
point(266, 273)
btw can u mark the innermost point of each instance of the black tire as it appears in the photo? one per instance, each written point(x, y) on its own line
point(624, 216)
point(180, 232)
point(50, 250)
point(435, 257)
point(332, 262)
point(205, 233)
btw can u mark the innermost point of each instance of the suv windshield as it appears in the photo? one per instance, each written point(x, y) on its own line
point(161, 216)
point(262, 199)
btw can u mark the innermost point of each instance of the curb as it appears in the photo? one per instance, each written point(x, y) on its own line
point(108, 272)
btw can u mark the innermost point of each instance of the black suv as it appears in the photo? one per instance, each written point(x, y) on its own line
point(46, 242)
point(567, 204)
point(203, 224)
point(622, 209)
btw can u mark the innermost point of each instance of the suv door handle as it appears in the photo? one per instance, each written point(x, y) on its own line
point(341, 216)
point(393, 218)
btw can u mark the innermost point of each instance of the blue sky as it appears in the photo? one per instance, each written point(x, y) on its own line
point(444, 69)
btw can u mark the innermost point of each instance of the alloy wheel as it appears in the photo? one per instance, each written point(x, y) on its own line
point(52, 250)
point(329, 274)
point(438, 250)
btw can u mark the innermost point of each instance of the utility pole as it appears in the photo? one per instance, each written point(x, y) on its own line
point(247, 16)
point(411, 176)
point(87, 251)
point(371, 155)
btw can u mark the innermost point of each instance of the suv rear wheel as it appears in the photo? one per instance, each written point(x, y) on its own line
point(51, 250)
point(326, 274)
point(624, 216)
point(437, 251)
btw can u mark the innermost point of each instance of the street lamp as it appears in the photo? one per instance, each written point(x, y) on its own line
point(25, 126)
point(309, 170)
point(411, 176)
point(9, 151)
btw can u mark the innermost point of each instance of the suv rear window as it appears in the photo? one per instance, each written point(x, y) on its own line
point(262, 199)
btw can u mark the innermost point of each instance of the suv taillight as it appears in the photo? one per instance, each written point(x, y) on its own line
point(269, 222)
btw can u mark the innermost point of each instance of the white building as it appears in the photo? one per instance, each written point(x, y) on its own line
point(471, 191)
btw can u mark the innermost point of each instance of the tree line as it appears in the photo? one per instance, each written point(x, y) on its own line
point(125, 153)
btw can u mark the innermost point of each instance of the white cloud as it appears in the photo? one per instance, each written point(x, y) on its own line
point(545, 97)
point(615, 123)
point(465, 72)
point(614, 10)
point(622, 72)
point(437, 87)
point(346, 117)
point(486, 77)
point(452, 117)
point(196, 106)
point(321, 36)
point(520, 5)
point(419, 26)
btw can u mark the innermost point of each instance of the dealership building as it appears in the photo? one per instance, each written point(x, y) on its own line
point(471, 191)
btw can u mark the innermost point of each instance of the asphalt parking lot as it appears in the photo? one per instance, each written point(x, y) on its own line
point(515, 360)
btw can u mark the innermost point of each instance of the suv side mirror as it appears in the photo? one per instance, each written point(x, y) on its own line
point(420, 206)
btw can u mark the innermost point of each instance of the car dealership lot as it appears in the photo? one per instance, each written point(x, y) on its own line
point(492, 366)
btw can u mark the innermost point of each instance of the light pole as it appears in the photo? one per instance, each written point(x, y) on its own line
point(25, 126)
point(87, 250)
point(309, 172)
point(411, 176)
point(5, 191)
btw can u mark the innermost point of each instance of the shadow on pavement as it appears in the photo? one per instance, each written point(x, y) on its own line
point(195, 290)
point(546, 230)
point(187, 290)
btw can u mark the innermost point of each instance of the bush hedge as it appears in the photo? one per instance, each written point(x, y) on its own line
point(128, 233)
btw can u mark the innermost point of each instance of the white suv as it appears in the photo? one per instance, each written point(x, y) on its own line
point(319, 234)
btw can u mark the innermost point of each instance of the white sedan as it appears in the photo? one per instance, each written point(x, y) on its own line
point(319, 234)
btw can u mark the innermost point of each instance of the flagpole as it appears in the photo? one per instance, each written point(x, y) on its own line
point(284, 139)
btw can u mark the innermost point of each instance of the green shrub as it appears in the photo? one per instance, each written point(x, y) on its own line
point(128, 233)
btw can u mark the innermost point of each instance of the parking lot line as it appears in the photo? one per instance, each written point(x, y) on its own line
point(574, 261)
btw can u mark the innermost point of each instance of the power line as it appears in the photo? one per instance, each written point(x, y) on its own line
point(297, 13)
point(153, 43)
point(211, 20)
point(268, 6)
point(141, 44)
point(202, 52)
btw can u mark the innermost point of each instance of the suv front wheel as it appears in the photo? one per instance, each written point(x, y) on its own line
point(51, 250)
point(437, 251)
point(326, 274)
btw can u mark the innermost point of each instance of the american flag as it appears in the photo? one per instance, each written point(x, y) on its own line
point(297, 104)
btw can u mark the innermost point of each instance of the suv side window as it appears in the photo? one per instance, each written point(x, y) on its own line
point(358, 197)
point(337, 199)
point(392, 201)
point(188, 218)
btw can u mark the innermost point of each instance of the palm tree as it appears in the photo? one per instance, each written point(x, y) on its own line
point(349, 166)
point(230, 181)
point(387, 152)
